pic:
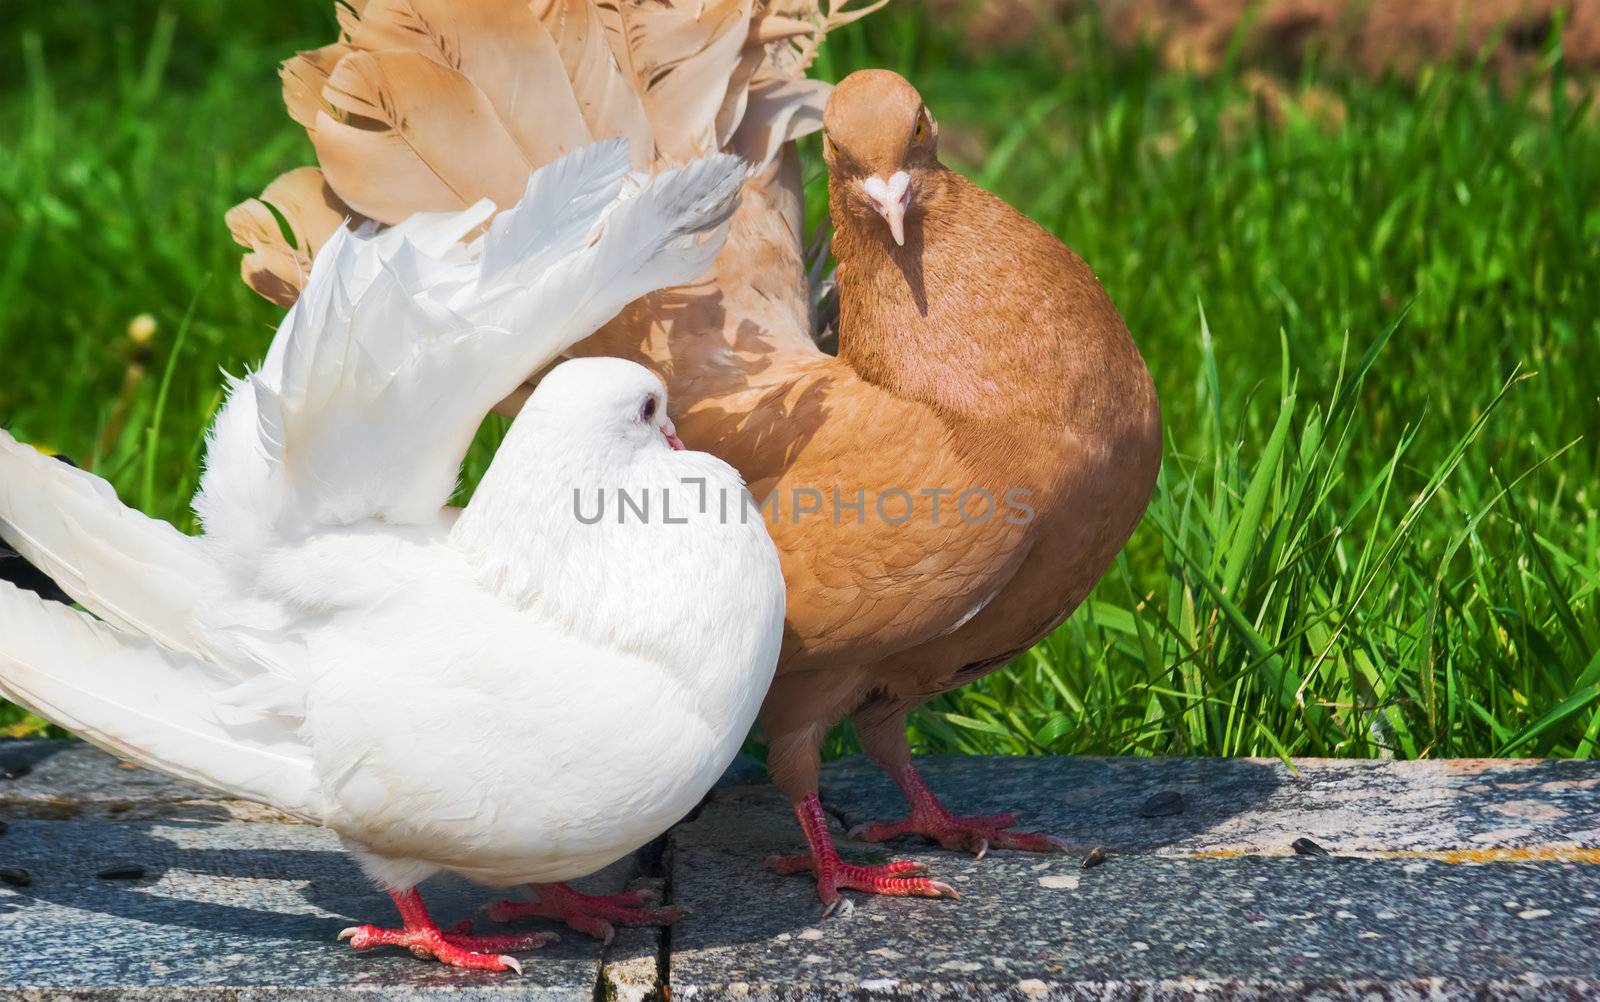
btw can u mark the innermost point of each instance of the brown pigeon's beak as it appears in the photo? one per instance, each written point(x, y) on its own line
point(671, 433)
point(891, 198)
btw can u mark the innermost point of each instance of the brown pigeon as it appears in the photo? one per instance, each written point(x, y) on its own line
point(946, 490)
point(943, 492)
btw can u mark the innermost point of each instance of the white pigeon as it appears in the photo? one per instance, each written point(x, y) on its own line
point(517, 692)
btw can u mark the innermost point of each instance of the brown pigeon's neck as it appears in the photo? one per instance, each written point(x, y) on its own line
point(906, 314)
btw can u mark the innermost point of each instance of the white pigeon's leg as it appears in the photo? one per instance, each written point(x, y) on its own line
point(594, 914)
point(422, 936)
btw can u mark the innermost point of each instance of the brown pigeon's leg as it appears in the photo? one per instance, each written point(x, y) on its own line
point(833, 874)
point(794, 761)
point(587, 913)
point(883, 735)
point(423, 938)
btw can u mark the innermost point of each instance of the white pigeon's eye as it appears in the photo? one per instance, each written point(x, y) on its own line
point(648, 411)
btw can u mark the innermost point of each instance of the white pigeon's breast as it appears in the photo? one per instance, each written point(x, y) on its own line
point(526, 755)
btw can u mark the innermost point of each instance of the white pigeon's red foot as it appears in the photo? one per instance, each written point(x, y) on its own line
point(900, 878)
point(930, 819)
point(594, 914)
point(423, 937)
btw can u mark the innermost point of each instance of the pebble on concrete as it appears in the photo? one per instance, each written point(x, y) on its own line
point(1165, 804)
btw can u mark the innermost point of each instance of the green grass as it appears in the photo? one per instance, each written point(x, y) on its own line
point(1377, 527)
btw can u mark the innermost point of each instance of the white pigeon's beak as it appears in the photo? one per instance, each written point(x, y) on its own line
point(671, 432)
point(891, 198)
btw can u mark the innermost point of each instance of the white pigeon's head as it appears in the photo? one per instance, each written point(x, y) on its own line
point(608, 400)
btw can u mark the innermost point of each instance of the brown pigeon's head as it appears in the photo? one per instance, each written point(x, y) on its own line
point(881, 144)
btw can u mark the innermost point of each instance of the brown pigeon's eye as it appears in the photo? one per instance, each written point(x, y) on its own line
point(922, 128)
point(648, 411)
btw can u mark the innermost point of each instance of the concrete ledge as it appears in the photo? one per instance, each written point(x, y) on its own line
point(1411, 903)
point(1443, 881)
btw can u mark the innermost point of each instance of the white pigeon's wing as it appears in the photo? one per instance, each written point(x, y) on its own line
point(401, 342)
point(158, 707)
point(136, 572)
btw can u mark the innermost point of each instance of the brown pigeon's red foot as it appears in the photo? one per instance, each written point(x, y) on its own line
point(930, 819)
point(588, 913)
point(423, 938)
point(833, 874)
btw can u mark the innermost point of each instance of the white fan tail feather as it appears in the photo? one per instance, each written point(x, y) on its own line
point(403, 340)
point(136, 572)
point(667, 234)
point(148, 704)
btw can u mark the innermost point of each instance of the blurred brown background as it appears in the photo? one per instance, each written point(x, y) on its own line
point(1376, 36)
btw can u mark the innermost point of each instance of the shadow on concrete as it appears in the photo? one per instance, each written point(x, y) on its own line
point(717, 859)
point(252, 881)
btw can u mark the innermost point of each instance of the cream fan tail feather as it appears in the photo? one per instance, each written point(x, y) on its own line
point(431, 105)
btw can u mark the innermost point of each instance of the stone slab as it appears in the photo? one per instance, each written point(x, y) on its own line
point(1460, 880)
point(232, 909)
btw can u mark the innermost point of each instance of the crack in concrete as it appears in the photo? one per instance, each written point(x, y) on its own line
point(614, 981)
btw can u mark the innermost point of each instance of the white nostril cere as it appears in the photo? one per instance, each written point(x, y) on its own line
point(890, 199)
point(899, 186)
point(885, 193)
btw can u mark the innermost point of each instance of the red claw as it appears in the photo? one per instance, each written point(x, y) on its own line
point(422, 936)
point(899, 878)
point(930, 819)
point(587, 913)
